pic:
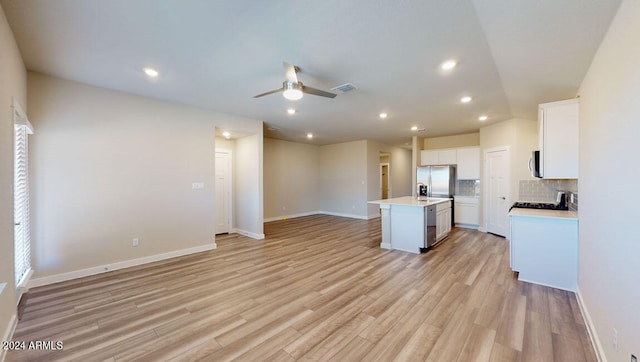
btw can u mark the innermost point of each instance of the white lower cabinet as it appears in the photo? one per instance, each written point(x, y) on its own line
point(544, 250)
point(466, 211)
point(443, 220)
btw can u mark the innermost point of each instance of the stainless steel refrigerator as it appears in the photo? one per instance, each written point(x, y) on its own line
point(440, 180)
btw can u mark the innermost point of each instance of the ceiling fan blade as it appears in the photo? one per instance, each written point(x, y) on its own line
point(290, 72)
point(267, 93)
point(317, 92)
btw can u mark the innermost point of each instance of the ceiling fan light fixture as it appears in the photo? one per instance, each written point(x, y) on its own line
point(150, 72)
point(292, 91)
point(449, 64)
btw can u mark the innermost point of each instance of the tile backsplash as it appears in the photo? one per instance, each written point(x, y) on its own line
point(547, 190)
point(468, 187)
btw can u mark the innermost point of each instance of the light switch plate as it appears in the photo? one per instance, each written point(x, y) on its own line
point(197, 186)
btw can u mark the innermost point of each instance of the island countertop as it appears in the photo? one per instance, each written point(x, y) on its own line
point(411, 201)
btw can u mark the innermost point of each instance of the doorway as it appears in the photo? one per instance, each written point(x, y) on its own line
point(385, 175)
point(497, 200)
point(223, 191)
point(384, 180)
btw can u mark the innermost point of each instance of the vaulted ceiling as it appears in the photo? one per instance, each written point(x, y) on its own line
point(512, 55)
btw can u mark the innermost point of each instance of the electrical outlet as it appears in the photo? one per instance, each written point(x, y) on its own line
point(615, 339)
point(134, 242)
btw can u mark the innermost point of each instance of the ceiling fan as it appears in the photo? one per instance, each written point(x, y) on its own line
point(293, 89)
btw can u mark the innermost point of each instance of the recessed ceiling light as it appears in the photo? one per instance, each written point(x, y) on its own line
point(449, 64)
point(291, 111)
point(151, 72)
point(383, 115)
point(226, 134)
point(482, 118)
point(414, 128)
point(466, 99)
point(309, 135)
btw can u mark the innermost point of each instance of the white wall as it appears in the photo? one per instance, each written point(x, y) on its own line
point(335, 179)
point(343, 179)
point(461, 140)
point(521, 136)
point(248, 189)
point(399, 169)
point(291, 179)
point(609, 251)
point(108, 167)
point(13, 83)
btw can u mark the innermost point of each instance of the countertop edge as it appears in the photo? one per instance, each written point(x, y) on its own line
point(410, 201)
point(546, 214)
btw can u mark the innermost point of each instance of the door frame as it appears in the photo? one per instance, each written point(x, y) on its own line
point(388, 179)
point(485, 187)
point(229, 205)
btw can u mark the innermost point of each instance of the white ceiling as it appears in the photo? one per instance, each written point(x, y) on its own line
point(513, 55)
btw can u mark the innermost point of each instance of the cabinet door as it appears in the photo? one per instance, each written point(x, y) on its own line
point(447, 221)
point(468, 163)
point(428, 157)
point(559, 126)
point(447, 157)
point(440, 225)
point(466, 213)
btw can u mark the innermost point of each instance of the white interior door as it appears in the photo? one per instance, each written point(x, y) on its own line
point(497, 195)
point(223, 192)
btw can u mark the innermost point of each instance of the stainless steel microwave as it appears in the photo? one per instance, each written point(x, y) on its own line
point(534, 164)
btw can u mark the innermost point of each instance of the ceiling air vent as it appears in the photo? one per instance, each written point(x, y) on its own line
point(347, 87)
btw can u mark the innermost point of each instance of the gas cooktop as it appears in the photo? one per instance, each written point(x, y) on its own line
point(539, 205)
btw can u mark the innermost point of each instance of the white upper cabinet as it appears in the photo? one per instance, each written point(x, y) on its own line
point(446, 156)
point(467, 160)
point(468, 163)
point(558, 139)
point(429, 157)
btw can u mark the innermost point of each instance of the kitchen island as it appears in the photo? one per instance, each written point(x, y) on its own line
point(414, 225)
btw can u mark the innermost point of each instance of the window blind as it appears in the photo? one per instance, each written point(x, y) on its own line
point(22, 240)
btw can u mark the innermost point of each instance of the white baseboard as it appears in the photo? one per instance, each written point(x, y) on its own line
point(468, 226)
point(482, 228)
point(8, 334)
point(249, 234)
point(385, 246)
point(352, 216)
point(591, 329)
point(291, 216)
point(36, 282)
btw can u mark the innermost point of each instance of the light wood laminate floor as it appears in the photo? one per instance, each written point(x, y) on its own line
point(317, 288)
